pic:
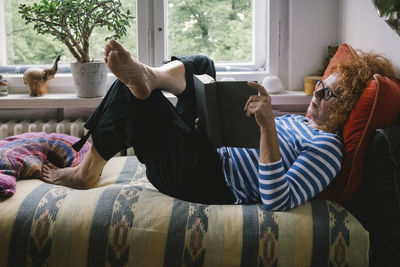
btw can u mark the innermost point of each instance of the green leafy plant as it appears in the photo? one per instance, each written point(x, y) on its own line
point(389, 10)
point(72, 21)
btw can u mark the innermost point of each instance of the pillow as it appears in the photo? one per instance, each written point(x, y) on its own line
point(22, 156)
point(377, 107)
point(344, 52)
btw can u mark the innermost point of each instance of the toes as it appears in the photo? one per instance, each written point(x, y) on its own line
point(45, 179)
point(51, 165)
point(114, 45)
point(48, 178)
point(107, 51)
point(45, 169)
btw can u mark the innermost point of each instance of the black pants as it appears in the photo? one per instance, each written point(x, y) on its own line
point(179, 161)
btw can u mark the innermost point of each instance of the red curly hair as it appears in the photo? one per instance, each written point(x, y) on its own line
point(354, 76)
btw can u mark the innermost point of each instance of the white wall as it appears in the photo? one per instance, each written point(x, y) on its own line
point(362, 28)
point(312, 27)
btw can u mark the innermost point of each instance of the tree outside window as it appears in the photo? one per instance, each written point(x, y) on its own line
point(221, 29)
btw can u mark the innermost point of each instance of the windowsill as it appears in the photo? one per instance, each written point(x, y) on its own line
point(62, 93)
point(59, 100)
point(48, 101)
point(62, 83)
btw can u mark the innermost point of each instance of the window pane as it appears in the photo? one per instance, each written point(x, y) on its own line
point(26, 47)
point(221, 29)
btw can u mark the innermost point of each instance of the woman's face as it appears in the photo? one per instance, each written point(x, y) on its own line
point(322, 99)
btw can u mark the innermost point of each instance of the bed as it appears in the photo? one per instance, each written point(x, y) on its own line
point(124, 221)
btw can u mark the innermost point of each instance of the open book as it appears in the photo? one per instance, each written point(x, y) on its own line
point(220, 105)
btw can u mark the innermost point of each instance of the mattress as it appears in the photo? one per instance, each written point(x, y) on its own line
point(125, 221)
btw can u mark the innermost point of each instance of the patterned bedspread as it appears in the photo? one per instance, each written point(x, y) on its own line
point(126, 222)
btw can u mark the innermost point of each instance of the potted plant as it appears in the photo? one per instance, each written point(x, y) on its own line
point(72, 22)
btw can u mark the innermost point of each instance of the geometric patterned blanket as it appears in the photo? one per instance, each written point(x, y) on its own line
point(124, 221)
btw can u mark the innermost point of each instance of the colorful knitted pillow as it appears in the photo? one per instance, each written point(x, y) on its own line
point(22, 156)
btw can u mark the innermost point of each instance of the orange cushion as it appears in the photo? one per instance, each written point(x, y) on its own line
point(344, 52)
point(378, 106)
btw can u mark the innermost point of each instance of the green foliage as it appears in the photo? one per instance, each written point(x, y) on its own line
point(389, 10)
point(220, 29)
point(72, 21)
point(386, 7)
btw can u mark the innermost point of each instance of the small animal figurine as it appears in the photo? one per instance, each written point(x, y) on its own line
point(37, 79)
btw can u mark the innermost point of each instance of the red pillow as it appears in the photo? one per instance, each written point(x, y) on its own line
point(377, 107)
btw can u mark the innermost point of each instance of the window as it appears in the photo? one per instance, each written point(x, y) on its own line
point(25, 47)
point(232, 32)
point(219, 29)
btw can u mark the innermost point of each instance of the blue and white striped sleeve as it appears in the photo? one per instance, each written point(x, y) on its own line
point(311, 172)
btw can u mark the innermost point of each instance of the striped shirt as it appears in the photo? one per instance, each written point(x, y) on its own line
point(310, 159)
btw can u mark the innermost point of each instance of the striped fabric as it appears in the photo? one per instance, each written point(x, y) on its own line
point(124, 221)
point(310, 159)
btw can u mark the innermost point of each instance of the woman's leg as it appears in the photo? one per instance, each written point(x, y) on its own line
point(141, 79)
point(76, 177)
point(179, 162)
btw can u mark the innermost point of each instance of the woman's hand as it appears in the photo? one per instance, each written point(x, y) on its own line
point(260, 106)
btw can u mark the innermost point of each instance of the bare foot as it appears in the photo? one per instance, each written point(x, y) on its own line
point(139, 78)
point(72, 176)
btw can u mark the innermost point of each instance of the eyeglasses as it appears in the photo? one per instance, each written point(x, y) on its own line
point(324, 93)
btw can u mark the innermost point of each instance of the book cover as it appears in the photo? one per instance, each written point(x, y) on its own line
point(220, 105)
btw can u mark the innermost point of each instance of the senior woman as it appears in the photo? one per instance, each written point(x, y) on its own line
point(298, 156)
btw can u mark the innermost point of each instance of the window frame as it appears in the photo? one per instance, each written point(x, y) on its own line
point(151, 19)
point(153, 42)
point(3, 51)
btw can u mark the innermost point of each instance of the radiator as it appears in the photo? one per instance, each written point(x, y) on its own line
point(74, 128)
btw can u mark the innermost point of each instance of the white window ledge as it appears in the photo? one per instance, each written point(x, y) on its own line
point(52, 100)
point(62, 93)
point(62, 83)
point(48, 101)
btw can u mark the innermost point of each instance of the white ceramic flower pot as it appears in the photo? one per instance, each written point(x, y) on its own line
point(90, 78)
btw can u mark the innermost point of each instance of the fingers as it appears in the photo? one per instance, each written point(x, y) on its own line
point(253, 104)
point(252, 98)
point(260, 89)
point(252, 108)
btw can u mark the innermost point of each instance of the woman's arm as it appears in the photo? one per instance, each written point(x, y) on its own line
point(311, 172)
point(273, 185)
